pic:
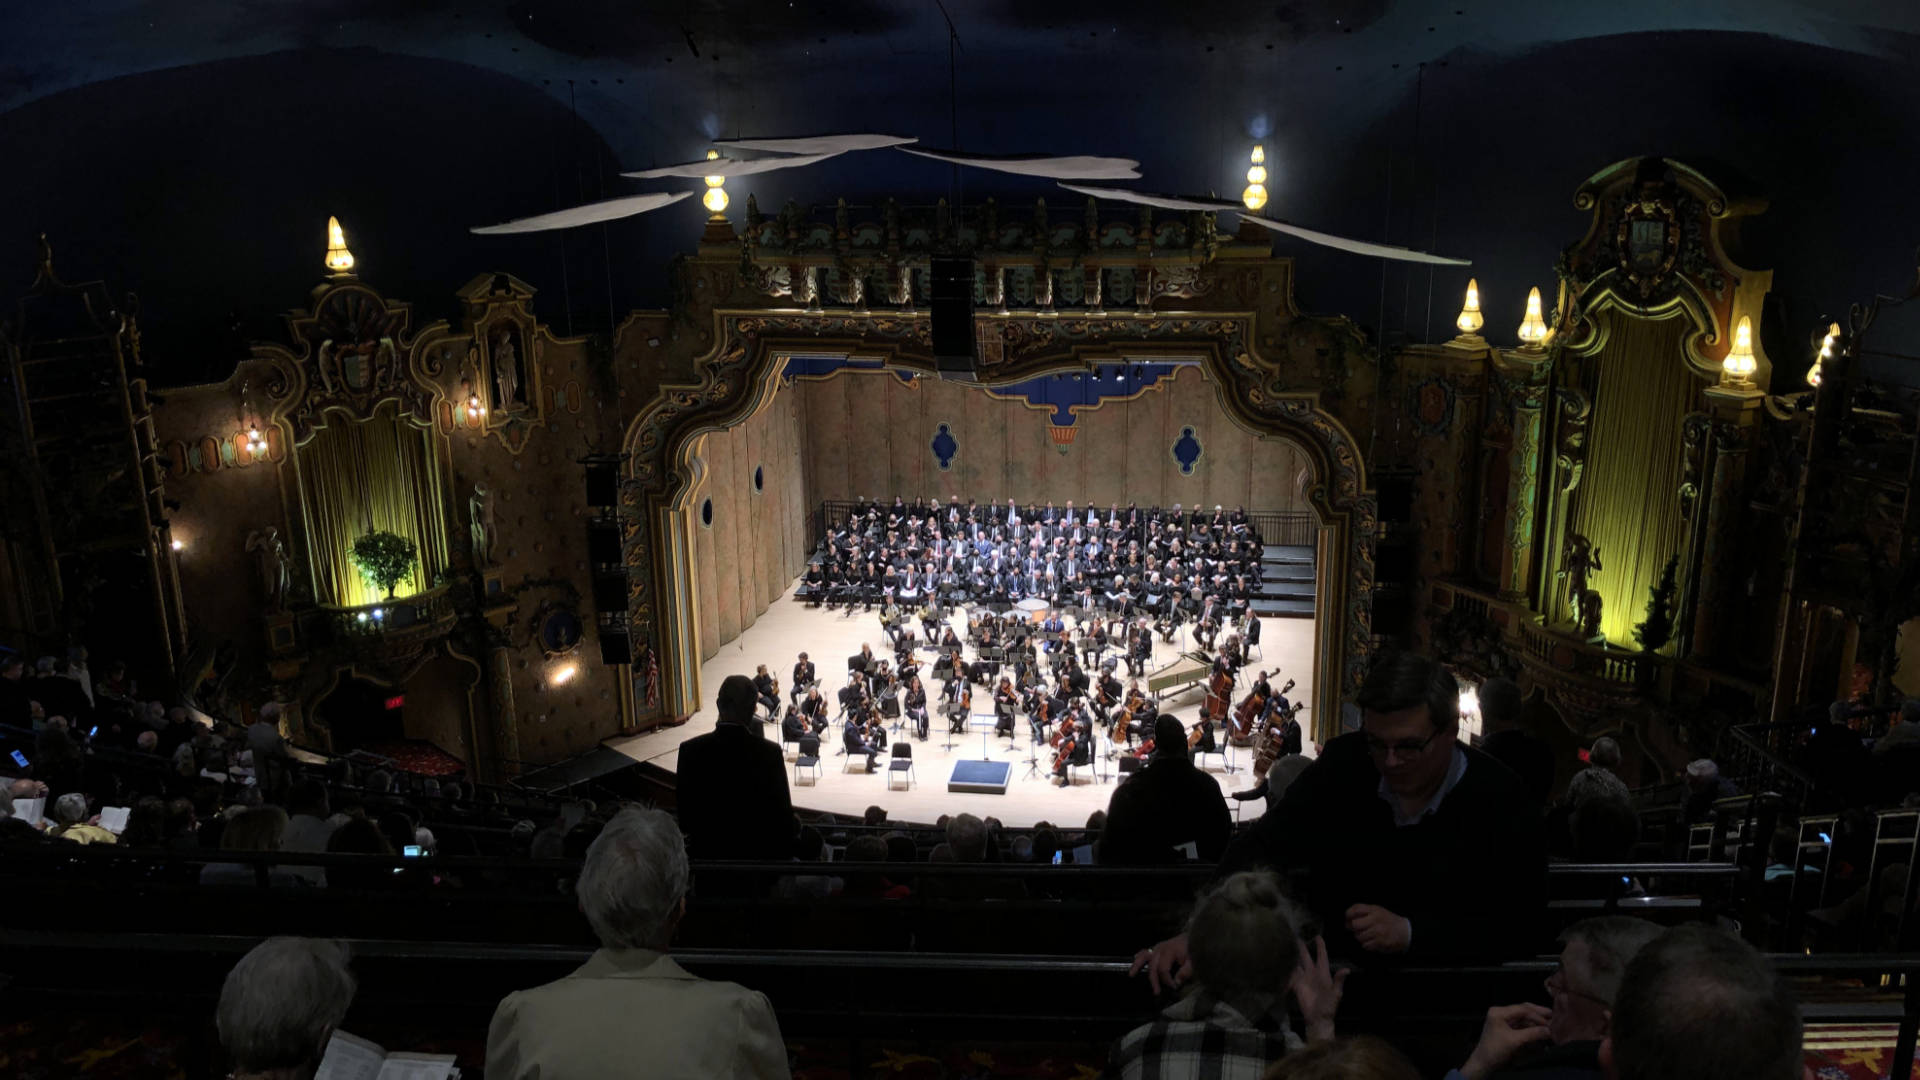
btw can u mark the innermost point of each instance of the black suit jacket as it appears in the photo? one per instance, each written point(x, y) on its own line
point(1472, 877)
point(1167, 803)
point(732, 795)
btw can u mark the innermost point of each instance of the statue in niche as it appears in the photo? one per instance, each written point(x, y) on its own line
point(480, 514)
point(1578, 559)
point(270, 558)
point(506, 370)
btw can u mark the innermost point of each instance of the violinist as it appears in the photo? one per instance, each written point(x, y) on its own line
point(766, 689)
point(951, 696)
point(917, 706)
point(854, 737)
point(1232, 651)
point(1106, 697)
point(813, 709)
point(853, 696)
point(803, 677)
point(1004, 703)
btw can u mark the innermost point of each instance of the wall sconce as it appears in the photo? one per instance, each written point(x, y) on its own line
point(473, 408)
point(563, 674)
point(1533, 328)
point(1255, 195)
point(1738, 368)
point(179, 545)
point(339, 259)
point(716, 197)
point(1825, 354)
point(256, 442)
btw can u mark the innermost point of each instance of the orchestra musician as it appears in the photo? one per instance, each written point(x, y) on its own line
point(803, 677)
point(1004, 703)
point(917, 707)
point(1106, 698)
point(1201, 740)
point(1073, 745)
point(813, 709)
point(767, 689)
point(853, 695)
point(854, 737)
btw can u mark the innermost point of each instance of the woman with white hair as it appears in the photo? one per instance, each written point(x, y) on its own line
point(1247, 962)
point(630, 1002)
point(280, 1005)
point(70, 822)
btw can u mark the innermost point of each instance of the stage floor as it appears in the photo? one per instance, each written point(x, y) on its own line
point(788, 626)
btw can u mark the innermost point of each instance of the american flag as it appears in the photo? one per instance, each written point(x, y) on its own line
point(653, 678)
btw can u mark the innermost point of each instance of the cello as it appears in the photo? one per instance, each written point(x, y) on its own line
point(1219, 694)
point(1063, 741)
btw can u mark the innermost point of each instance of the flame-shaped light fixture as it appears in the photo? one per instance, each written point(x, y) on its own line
point(1533, 328)
point(1255, 195)
point(339, 259)
point(1825, 354)
point(1738, 368)
point(256, 442)
point(1470, 320)
point(715, 199)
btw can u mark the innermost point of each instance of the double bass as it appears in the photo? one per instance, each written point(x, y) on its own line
point(1241, 728)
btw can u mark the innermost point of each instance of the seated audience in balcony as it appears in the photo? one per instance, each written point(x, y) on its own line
point(971, 840)
point(630, 1008)
point(146, 824)
point(732, 785)
point(869, 884)
point(280, 1005)
point(256, 829)
point(71, 822)
point(1247, 960)
point(1705, 786)
point(1362, 1057)
point(308, 829)
point(1164, 807)
point(1699, 1003)
point(1562, 1042)
point(359, 837)
point(1414, 844)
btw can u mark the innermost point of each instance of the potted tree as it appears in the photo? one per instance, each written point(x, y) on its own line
point(384, 559)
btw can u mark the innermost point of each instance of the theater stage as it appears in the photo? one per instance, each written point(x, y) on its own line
point(787, 627)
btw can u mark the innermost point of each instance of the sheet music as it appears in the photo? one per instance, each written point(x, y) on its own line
point(350, 1057)
point(31, 811)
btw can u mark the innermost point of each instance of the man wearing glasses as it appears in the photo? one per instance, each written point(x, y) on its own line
point(1412, 844)
point(1562, 1042)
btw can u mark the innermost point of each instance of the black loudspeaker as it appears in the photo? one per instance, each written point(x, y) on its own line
point(610, 592)
point(603, 483)
point(615, 646)
point(950, 287)
point(603, 543)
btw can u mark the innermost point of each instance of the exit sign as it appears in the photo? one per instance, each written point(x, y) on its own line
point(396, 701)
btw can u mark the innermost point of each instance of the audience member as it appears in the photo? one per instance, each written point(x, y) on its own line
point(1705, 786)
point(1361, 1058)
point(280, 1006)
point(256, 829)
point(870, 884)
point(1167, 812)
point(1562, 1042)
point(1500, 704)
point(1697, 1003)
point(1416, 845)
point(731, 785)
point(359, 837)
point(630, 1003)
point(70, 822)
point(1246, 958)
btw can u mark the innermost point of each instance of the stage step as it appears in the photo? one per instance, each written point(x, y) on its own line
point(1286, 572)
point(1286, 553)
point(1286, 590)
point(1282, 609)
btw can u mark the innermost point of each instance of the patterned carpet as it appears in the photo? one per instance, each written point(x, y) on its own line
point(1850, 1051)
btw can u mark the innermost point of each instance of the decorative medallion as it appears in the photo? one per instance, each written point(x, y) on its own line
point(1432, 410)
point(1648, 240)
point(1187, 450)
point(944, 446)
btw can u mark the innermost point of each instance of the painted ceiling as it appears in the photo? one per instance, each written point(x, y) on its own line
point(191, 152)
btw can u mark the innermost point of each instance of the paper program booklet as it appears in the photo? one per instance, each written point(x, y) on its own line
point(350, 1057)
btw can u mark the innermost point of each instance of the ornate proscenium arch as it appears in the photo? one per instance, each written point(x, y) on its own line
point(741, 372)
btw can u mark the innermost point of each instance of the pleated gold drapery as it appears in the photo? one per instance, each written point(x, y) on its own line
point(357, 476)
point(1628, 501)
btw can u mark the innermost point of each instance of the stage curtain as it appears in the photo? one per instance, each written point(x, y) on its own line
point(357, 476)
point(1628, 501)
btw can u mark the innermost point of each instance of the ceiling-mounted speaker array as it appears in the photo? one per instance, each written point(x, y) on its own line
point(606, 557)
point(950, 291)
